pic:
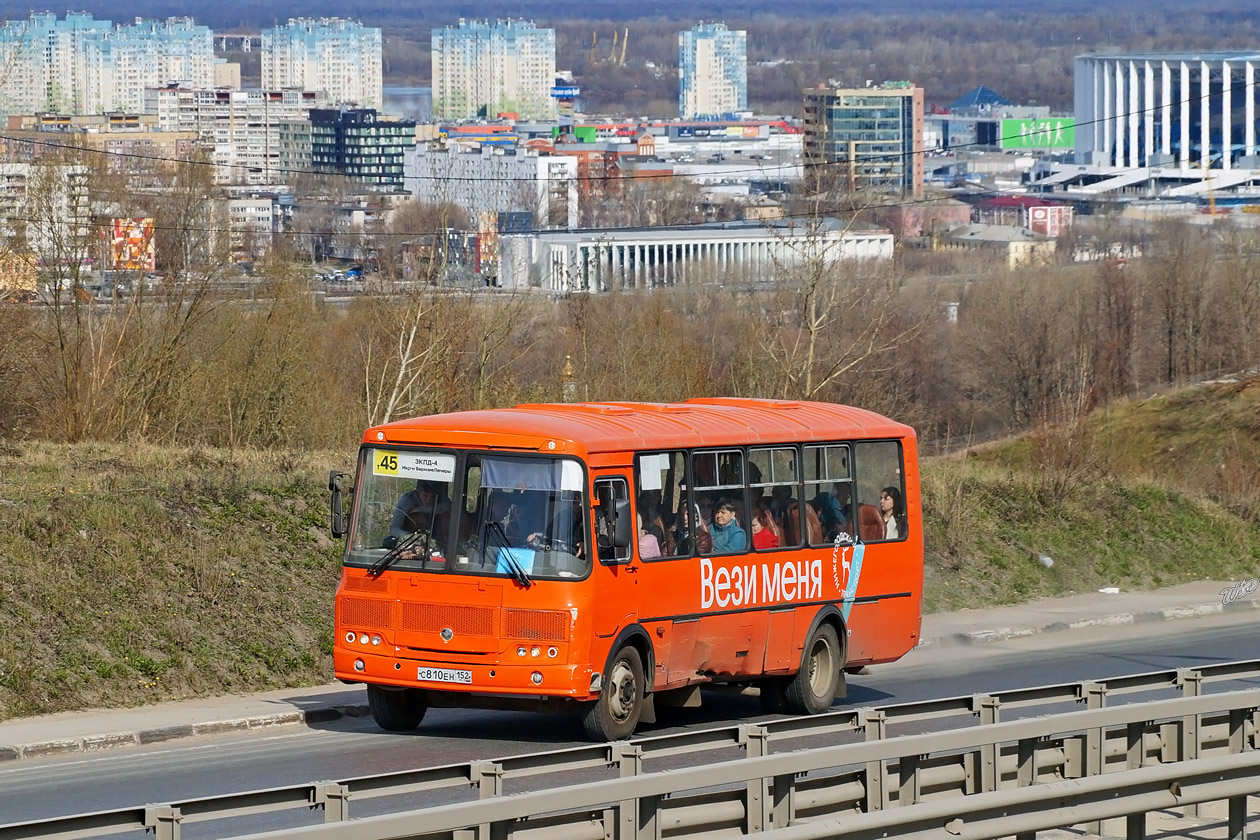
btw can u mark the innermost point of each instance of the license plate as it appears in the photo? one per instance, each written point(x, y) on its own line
point(446, 675)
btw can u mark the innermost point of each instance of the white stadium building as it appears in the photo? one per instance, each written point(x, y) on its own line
point(1172, 125)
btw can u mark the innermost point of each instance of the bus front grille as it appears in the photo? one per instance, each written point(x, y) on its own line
point(360, 612)
point(433, 618)
point(535, 625)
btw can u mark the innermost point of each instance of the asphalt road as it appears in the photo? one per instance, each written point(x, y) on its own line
point(347, 748)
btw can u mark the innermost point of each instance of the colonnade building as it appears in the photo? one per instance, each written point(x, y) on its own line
point(727, 253)
point(1167, 124)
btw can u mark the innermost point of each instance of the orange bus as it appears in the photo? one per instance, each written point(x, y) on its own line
point(618, 556)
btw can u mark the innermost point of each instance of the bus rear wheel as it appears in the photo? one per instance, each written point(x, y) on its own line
point(396, 710)
point(616, 713)
point(814, 687)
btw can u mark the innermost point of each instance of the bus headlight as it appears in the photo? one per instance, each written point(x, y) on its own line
point(358, 665)
point(520, 651)
point(536, 677)
point(535, 651)
point(350, 637)
point(376, 640)
point(552, 651)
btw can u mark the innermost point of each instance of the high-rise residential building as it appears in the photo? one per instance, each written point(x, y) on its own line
point(483, 69)
point(80, 65)
point(341, 57)
point(865, 138)
point(244, 131)
point(712, 71)
point(357, 143)
point(493, 179)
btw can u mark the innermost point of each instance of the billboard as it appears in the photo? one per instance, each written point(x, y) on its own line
point(131, 246)
point(1050, 221)
point(1045, 134)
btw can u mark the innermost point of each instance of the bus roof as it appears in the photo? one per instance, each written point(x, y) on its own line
point(621, 426)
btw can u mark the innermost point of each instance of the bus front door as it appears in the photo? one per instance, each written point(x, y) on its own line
point(616, 573)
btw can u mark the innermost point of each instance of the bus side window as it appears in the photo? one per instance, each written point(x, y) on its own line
point(618, 491)
point(719, 479)
point(881, 491)
point(659, 496)
point(828, 490)
point(772, 490)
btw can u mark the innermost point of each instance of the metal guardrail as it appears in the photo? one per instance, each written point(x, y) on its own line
point(769, 792)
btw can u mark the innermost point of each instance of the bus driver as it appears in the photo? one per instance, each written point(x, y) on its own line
point(423, 508)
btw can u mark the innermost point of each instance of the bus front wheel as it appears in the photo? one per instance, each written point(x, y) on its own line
point(814, 687)
point(396, 710)
point(616, 713)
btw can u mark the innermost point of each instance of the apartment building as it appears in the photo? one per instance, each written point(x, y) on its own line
point(494, 179)
point(340, 57)
point(252, 136)
point(80, 65)
point(483, 69)
point(360, 144)
point(712, 71)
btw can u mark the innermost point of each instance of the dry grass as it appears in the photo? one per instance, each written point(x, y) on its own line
point(133, 574)
point(1160, 491)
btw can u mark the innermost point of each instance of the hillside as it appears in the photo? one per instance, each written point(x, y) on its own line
point(134, 574)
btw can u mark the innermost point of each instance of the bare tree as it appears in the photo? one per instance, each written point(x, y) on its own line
point(1177, 272)
point(830, 315)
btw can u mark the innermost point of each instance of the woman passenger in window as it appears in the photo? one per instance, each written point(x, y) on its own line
point(764, 530)
point(893, 513)
point(691, 533)
point(728, 536)
point(648, 546)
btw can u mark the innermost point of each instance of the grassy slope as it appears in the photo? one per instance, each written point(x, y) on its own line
point(133, 574)
point(1147, 494)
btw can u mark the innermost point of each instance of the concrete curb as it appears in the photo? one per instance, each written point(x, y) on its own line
point(1002, 634)
point(112, 740)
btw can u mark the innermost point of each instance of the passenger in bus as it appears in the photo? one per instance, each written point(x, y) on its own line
point(648, 546)
point(833, 511)
point(422, 508)
point(705, 507)
point(893, 512)
point(650, 510)
point(689, 536)
point(728, 535)
point(764, 530)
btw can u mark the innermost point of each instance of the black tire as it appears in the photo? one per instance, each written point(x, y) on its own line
point(396, 710)
point(814, 687)
point(616, 713)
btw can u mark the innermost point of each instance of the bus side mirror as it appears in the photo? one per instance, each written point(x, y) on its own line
point(336, 484)
point(623, 530)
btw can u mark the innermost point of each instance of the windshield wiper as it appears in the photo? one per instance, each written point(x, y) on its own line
point(515, 568)
point(393, 554)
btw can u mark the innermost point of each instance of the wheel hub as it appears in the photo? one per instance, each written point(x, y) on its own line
point(621, 697)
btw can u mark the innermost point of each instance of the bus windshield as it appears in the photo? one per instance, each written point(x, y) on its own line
point(470, 512)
